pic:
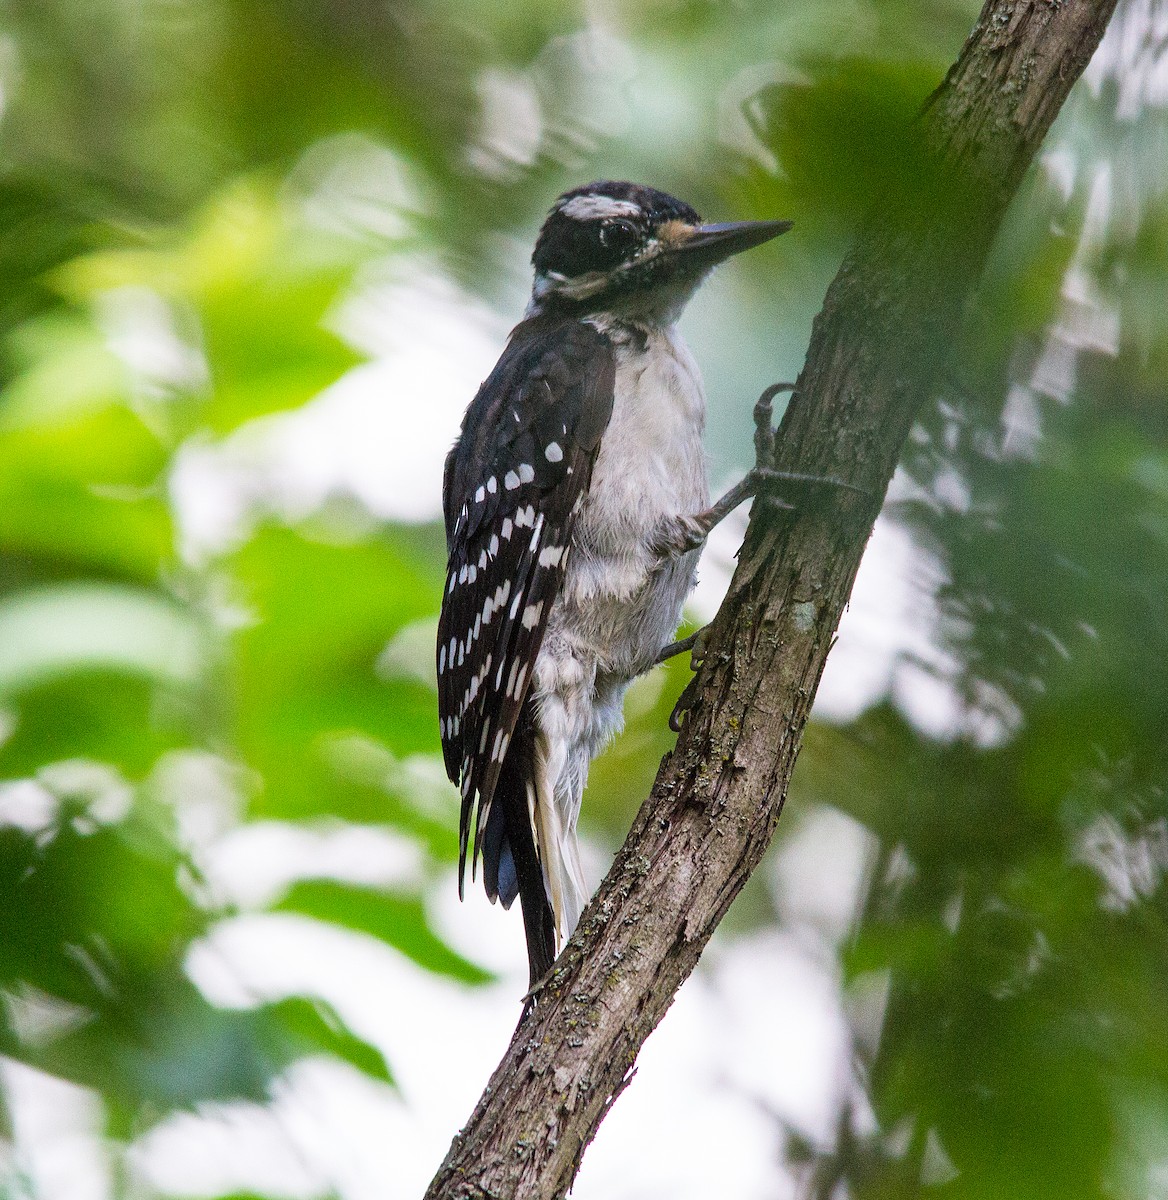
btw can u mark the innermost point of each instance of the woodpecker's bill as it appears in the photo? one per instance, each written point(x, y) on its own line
point(576, 503)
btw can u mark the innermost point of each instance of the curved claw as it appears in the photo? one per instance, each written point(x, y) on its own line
point(684, 703)
point(764, 433)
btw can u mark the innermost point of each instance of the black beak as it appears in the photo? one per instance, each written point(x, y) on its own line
point(710, 244)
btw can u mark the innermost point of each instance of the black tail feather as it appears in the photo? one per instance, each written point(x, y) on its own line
point(498, 866)
point(510, 863)
point(538, 922)
point(509, 859)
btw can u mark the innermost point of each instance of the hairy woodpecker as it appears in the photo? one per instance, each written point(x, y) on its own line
point(576, 504)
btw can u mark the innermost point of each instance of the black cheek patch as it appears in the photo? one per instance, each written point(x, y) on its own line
point(571, 248)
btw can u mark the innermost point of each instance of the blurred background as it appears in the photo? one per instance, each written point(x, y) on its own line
point(255, 258)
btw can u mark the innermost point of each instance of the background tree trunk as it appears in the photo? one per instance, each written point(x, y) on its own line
point(887, 323)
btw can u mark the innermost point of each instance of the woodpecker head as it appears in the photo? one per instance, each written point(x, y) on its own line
point(632, 251)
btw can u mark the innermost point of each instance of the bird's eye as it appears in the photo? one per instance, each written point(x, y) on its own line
point(618, 235)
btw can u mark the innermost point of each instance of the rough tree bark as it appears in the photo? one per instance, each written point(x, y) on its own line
point(889, 317)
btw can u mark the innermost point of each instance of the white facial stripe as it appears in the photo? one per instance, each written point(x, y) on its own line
point(592, 208)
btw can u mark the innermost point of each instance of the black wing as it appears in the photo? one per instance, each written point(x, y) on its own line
point(513, 485)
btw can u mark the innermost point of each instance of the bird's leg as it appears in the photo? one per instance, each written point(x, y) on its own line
point(686, 533)
point(681, 534)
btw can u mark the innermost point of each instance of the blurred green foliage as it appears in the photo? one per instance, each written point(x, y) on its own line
point(172, 267)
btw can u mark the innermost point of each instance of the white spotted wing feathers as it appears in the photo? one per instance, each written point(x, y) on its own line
point(513, 486)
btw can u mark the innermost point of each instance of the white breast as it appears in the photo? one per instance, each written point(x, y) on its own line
point(617, 597)
point(651, 462)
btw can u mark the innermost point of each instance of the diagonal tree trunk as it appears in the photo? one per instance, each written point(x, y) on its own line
point(888, 320)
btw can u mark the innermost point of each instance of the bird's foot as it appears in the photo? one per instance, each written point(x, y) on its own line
point(695, 642)
point(680, 534)
point(683, 534)
point(696, 645)
point(765, 480)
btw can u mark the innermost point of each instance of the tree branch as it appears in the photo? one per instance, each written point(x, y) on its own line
point(888, 320)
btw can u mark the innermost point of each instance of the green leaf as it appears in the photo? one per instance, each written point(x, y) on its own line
point(84, 495)
point(306, 666)
point(261, 291)
point(52, 631)
point(91, 903)
point(396, 919)
point(267, 346)
point(98, 716)
point(312, 1026)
